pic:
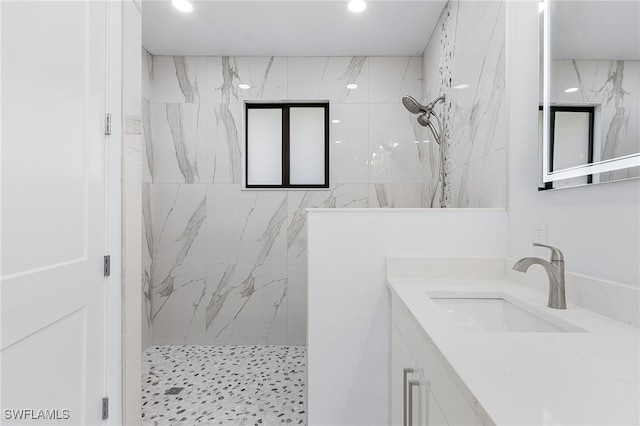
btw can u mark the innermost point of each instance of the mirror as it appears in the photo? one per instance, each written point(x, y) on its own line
point(590, 118)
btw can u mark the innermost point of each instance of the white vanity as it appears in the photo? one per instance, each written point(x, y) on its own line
point(470, 346)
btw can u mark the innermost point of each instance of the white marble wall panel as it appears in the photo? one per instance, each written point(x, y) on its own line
point(246, 227)
point(327, 78)
point(473, 34)
point(340, 196)
point(179, 214)
point(394, 155)
point(224, 149)
point(297, 305)
point(147, 145)
point(480, 183)
point(392, 78)
point(179, 79)
point(178, 303)
point(615, 87)
point(267, 77)
point(147, 73)
point(253, 243)
point(349, 143)
point(180, 142)
point(246, 304)
point(396, 195)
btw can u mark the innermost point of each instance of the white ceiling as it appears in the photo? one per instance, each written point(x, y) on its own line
point(289, 28)
point(587, 29)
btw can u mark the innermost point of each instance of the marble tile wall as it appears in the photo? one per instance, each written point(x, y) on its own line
point(225, 265)
point(465, 61)
point(615, 87)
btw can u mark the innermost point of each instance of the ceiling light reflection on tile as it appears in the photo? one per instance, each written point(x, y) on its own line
point(335, 121)
point(338, 141)
point(244, 86)
point(571, 90)
point(395, 144)
point(357, 6)
point(182, 5)
point(461, 86)
point(352, 86)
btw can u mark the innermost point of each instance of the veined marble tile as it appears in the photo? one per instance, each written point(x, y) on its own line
point(339, 196)
point(611, 83)
point(349, 157)
point(147, 73)
point(391, 78)
point(147, 147)
point(246, 304)
point(394, 155)
point(179, 142)
point(297, 305)
point(179, 79)
point(178, 303)
point(267, 77)
point(478, 26)
point(396, 195)
point(179, 223)
point(147, 251)
point(480, 183)
point(327, 78)
point(246, 227)
point(224, 148)
point(620, 132)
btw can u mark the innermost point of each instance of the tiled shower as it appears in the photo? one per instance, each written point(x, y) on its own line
point(227, 266)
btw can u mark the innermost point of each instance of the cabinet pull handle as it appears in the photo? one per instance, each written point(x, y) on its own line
point(412, 384)
point(405, 381)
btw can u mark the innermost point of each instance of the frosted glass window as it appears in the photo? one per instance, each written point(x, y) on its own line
point(571, 139)
point(264, 147)
point(287, 145)
point(306, 146)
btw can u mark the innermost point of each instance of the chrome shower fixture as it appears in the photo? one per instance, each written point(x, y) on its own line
point(425, 111)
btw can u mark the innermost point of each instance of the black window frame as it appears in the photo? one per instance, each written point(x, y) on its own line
point(285, 172)
point(591, 110)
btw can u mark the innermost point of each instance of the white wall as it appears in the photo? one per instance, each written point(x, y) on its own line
point(348, 303)
point(597, 227)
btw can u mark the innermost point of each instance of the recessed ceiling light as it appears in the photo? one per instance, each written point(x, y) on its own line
point(352, 86)
point(571, 90)
point(461, 86)
point(357, 6)
point(244, 86)
point(182, 5)
point(335, 121)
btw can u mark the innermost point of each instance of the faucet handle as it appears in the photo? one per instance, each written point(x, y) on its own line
point(556, 254)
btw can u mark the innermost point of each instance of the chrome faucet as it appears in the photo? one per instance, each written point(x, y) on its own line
point(555, 271)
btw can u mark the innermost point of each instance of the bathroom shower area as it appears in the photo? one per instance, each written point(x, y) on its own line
point(225, 267)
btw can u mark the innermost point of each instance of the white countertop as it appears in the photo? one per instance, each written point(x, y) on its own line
point(535, 378)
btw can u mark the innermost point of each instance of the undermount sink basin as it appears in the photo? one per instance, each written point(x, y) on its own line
point(495, 313)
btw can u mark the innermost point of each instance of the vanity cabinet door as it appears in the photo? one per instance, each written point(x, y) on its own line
point(444, 403)
point(412, 401)
point(402, 368)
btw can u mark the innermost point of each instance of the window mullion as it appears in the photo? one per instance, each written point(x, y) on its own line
point(285, 147)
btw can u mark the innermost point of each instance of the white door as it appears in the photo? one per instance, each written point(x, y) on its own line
point(53, 89)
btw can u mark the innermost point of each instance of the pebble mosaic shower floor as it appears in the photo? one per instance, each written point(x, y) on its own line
point(224, 385)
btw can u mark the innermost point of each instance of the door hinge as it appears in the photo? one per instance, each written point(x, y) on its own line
point(105, 408)
point(107, 265)
point(107, 125)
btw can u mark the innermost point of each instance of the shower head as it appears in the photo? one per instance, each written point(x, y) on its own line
point(423, 119)
point(412, 105)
